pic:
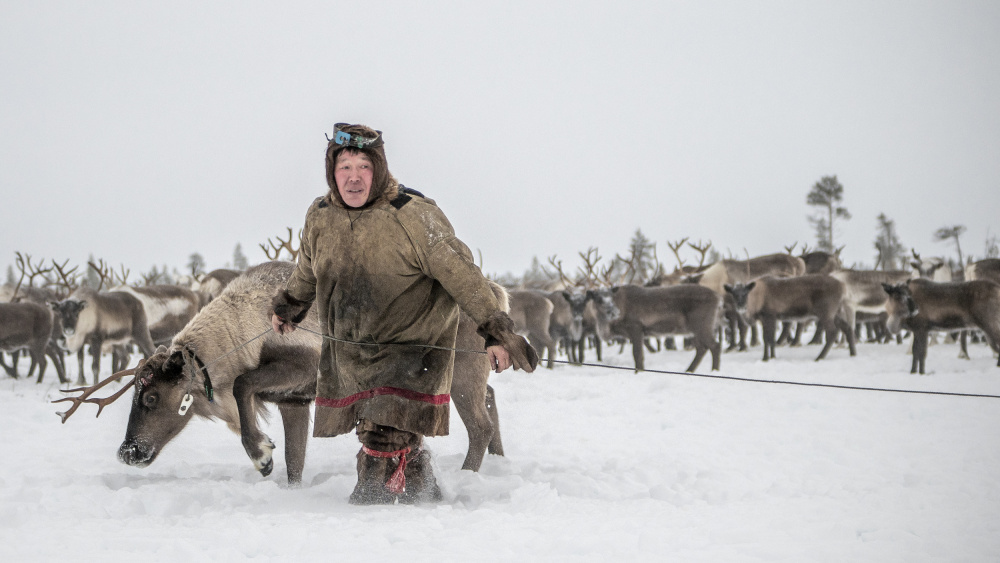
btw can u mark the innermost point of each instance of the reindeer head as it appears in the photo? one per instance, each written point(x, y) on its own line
point(160, 406)
point(68, 313)
point(740, 293)
point(901, 306)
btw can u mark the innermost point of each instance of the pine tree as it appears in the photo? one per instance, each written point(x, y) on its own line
point(992, 247)
point(93, 279)
point(642, 259)
point(11, 280)
point(240, 261)
point(891, 252)
point(945, 233)
point(826, 195)
point(196, 265)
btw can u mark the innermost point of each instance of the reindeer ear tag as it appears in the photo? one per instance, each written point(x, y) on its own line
point(185, 404)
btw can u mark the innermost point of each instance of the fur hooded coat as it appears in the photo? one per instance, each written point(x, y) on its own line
point(388, 279)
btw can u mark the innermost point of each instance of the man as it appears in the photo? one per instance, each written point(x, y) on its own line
point(384, 267)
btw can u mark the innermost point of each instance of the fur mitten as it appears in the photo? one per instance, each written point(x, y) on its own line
point(289, 308)
point(498, 329)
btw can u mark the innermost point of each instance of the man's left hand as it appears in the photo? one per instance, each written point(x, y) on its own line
point(499, 358)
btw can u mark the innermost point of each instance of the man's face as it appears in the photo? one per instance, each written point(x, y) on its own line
point(353, 173)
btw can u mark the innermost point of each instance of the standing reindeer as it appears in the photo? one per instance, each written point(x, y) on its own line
point(26, 326)
point(686, 309)
point(810, 297)
point(531, 312)
point(922, 306)
point(99, 319)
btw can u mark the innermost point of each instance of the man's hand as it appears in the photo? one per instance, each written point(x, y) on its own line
point(499, 358)
point(280, 325)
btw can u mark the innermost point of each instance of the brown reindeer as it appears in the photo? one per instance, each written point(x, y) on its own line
point(26, 326)
point(733, 272)
point(864, 293)
point(531, 312)
point(226, 363)
point(598, 313)
point(686, 309)
point(211, 284)
point(820, 262)
point(922, 306)
point(810, 297)
point(986, 269)
point(100, 319)
point(168, 308)
point(566, 323)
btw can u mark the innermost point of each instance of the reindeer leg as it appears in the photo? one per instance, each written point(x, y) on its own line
point(844, 327)
point(38, 357)
point(469, 395)
point(963, 353)
point(295, 420)
point(95, 365)
point(81, 379)
point(768, 328)
point(638, 343)
point(830, 329)
point(496, 444)
point(920, 338)
point(289, 378)
point(11, 370)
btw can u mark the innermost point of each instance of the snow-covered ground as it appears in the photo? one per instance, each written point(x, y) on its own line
point(601, 465)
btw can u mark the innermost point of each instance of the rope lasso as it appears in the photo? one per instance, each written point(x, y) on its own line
point(689, 374)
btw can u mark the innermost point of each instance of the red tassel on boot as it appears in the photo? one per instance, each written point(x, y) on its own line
point(397, 481)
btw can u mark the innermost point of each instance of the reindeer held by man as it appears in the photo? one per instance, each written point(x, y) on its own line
point(226, 364)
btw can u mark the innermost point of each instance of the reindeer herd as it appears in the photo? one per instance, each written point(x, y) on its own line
point(719, 302)
point(208, 351)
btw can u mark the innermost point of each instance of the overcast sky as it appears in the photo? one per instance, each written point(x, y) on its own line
point(142, 132)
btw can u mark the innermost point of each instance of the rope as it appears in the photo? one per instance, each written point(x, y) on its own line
point(666, 372)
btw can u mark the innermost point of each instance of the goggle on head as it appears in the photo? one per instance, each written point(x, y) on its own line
point(345, 139)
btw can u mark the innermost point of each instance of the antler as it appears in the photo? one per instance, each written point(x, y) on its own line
point(675, 247)
point(284, 245)
point(702, 249)
point(66, 279)
point(789, 249)
point(86, 392)
point(105, 272)
point(588, 272)
point(568, 283)
point(121, 277)
point(26, 268)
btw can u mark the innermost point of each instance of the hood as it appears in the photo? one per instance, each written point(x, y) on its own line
point(363, 139)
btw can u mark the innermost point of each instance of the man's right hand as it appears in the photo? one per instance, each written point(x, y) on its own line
point(280, 325)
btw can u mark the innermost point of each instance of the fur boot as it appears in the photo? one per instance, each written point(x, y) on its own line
point(392, 466)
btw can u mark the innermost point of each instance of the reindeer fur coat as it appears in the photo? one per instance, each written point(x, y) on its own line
point(390, 275)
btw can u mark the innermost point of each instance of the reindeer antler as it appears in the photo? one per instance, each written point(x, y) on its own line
point(86, 392)
point(702, 249)
point(675, 247)
point(588, 272)
point(66, 279)
point(122, 276)
point(105, 272)
point(562, 275)
point(28, 269)
point(284, 245)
